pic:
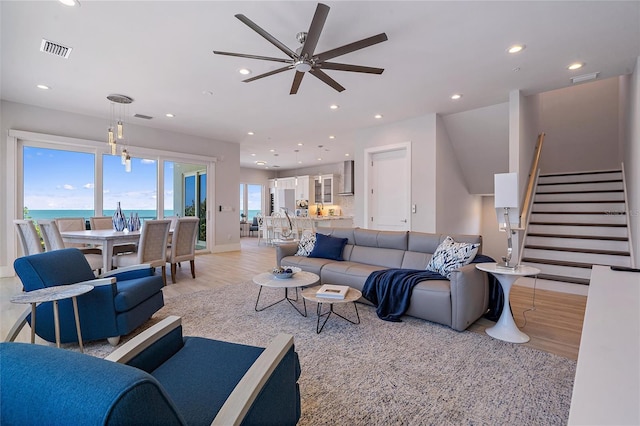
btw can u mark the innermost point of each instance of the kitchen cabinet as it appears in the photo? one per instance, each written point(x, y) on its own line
point(323, 186)
point(302, 188)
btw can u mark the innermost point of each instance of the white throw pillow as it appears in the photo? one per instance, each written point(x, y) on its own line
point(306, 245)
point(450, 256)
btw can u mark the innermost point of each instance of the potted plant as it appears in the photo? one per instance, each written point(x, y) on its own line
point(243, 218)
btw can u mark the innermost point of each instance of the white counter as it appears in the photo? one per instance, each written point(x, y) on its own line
point(333, 221)
point(606, 389)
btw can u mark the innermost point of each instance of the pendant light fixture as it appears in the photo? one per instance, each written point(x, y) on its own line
point(115, 132)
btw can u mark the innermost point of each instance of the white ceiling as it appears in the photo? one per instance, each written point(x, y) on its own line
point(160, 54)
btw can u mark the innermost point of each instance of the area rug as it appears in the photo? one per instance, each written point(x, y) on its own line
point(381, 373)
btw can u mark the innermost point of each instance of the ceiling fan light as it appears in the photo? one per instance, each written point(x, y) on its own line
point(302, 66)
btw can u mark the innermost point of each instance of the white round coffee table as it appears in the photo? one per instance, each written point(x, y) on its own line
point(299, 279)
point(351, 297)
point(506, 328)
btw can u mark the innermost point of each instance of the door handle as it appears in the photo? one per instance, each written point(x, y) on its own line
point(404, 220)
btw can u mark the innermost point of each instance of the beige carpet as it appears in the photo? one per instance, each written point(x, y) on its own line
point(381, 373)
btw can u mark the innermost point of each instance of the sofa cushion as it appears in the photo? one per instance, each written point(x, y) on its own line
point(307, 242)
point(387, 257)
point(353, 274)
point(451, 255)
point(328, 247)
point(309, 264)
point(381, 239)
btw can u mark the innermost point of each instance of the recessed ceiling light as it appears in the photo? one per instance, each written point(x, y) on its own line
point(169, 115)
point(456, 96)
point(319, 158)
point(250, 133)
point(70, 2)
point(347, 154)
point(272, 150)
point(253, 154)
point(261, 163)
point(332, 137)
point(575, 66)
point(244, 71)
point(300, 144)
point(516, 48)
point(378, 116)
point(334, 106)
point(43, 87)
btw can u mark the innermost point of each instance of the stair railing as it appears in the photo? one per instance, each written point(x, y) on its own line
point(531, 183)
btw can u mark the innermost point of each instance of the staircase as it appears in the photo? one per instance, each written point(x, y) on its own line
point(577, 220)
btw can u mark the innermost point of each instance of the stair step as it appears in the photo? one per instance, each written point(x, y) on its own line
point(582, 237)
point(580, 176)
point(613, 185)
point(572, 258)
point(571, 280)
point(608, 225)
point(568, 242)
point(559, 270)
point(580, 250)
point(578, 219)
point(576, 196)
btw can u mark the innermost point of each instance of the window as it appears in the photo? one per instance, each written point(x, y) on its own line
point(136, 191)
point(250, 200)
point(51, 188)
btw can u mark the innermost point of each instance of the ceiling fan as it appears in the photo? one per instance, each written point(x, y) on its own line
point(303, 59)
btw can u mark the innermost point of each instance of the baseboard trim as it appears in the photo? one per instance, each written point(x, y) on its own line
point(226, 247)
point(560, 287)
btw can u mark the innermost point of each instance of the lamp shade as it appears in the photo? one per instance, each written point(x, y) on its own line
point(506, 190)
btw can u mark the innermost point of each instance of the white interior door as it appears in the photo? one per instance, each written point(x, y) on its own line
point(389, 192)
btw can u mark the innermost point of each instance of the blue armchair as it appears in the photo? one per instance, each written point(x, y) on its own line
point(121, 300)
point(168, 379)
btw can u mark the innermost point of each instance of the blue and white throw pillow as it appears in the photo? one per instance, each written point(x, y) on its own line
point(450, 256)
point(306, 245)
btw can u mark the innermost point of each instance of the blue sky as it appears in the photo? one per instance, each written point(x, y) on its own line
point(57, 180)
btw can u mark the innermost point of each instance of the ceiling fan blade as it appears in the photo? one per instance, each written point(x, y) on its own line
point(313, 35)
point(296, 82)
point(324, 77)
point(351, 47)
point(271, 39)
point(267, 74)
point(347, 67)
point(264, 58)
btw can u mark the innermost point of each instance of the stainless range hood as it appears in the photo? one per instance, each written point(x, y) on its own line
point(347, 178)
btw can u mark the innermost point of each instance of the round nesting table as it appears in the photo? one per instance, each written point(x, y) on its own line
point(506, 328)
point(299, 279)
point(54, 294)
point(351, 297)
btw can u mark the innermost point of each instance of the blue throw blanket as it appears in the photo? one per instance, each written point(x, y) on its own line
point(390, 289)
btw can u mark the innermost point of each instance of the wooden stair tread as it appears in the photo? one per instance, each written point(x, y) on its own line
point(579, 201)
point(606, 225)
point(572, 212)
point(580, 250)
point(581, 182)
point(580, 237)
point(590, 191)
point(595, 172)
point(557, 262)
point(571, 280)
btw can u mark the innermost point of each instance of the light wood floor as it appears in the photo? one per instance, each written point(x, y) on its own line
point(554, 326)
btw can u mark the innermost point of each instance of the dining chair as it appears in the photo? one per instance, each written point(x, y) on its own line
point(53, 241)
point(152, 248)
point(183, 244)
point(28, 236)
point(72, 224)
point(106, 222)
point(304, 224)
point(254, 226)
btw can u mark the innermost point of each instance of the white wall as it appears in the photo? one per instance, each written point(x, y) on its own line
point(582, 127)
point(421, 132)
point(631, 155)
point(52, 122)
point(457, 211)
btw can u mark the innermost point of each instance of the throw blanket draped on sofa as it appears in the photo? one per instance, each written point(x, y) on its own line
point(390, 290)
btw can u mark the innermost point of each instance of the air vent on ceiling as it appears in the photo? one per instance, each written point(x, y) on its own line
point(145, 117)
point(56, 49)
point(584, 77)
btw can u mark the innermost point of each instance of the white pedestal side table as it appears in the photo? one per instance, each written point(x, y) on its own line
point(506, 328)
point(54, 294)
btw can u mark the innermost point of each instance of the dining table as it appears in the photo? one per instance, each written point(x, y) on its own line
point(107, 238)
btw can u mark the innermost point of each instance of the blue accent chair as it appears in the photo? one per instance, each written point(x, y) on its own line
point(121, 300)
point(158, 377)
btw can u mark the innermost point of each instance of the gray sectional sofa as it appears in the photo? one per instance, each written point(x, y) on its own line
point(456, 302)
